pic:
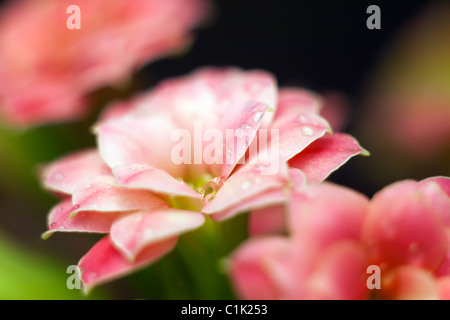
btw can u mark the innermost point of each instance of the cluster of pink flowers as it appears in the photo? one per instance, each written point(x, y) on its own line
point(130, 188)
point(337, 238)
point(211, 145)
point(47, 69)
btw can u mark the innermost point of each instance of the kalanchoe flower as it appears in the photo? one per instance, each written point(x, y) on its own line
point(46, 69)
point(143, 189)
point(335, 234)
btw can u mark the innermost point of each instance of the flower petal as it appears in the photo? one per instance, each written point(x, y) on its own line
point(340, 273)
point(153, 179)
point(102, 195)
point(443, 285)
point(324, 213)
point(408, 283)
point(401, 229)
point(66, 174)
point(443, 182)
point(104, 262)
point(217, 97)
point(249, 268)
point(325, 155)
point(262, 200)
point(87, 221)
point(296, 132)
point(139, 140)
point(134, 232)
point(245, 183)
point(244, 132)
point(293, 102)
point(271, 219)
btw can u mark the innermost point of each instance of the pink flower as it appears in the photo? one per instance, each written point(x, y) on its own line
point(46, 69)
point(337, 233)
point(134, 187)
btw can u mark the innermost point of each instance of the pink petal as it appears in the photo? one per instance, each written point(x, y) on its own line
point(236, 145)
point(298, 178)
point(340, 273)
point(325, 155)
point(133, 233)
point(443, 182)
point(444, 267)
point(324, 213)
point(438, 201)
point(297, 132)
point(443, 285)
point(267, 220)
point(218, 97)
point(408, 283)
point(293, 101)
point(102, 195)
point(139, 140)
point(69, 172)
point(401, 229)
point(245, 183)
point(153, 179)
point(94, 222)
point(104, 262)
point(262, 200)
point(249, 268)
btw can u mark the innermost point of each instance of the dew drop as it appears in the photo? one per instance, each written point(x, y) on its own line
point(200, 191)
point(209, 197)
point(75, 207)
point(60, 228)
point(258, 115)
point(307, 131)
point(53, 225)
point(246, 185)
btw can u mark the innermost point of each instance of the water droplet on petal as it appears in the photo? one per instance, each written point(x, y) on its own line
point(246, 185)
point(307, 131)
point(200, 191)
point(180, 180)
point(60, 228)
point(75, 207)
point(209, 197)
point(258, 115)
point(53, 225)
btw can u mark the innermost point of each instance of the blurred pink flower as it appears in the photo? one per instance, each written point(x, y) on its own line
point(132, 189)
point(46, 69)
point(336, 233)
